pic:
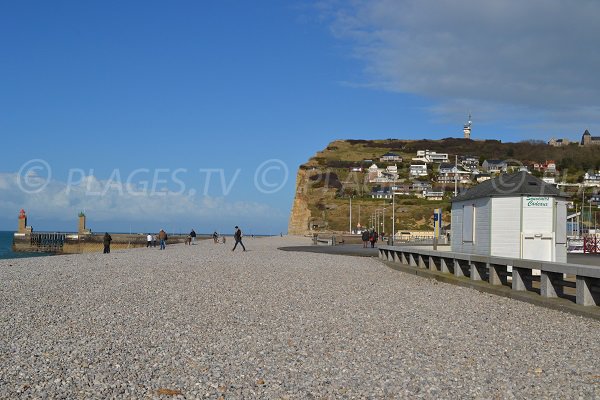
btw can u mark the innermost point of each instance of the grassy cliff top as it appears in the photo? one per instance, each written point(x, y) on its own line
point(571, 157)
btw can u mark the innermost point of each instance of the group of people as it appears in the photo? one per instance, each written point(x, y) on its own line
point(237, 236)
point(162, 239)
point(370, 236)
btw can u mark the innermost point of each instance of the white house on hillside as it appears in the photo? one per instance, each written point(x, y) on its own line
point(592, 179)
point(383, 175)
point(390, 157)
point(448, 173)
point(428, 156)
point(416, 170)
point(494, 166)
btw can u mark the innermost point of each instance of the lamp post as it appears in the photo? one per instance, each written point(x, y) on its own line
point(380, 223)
point(350, 215)
point(394, 216)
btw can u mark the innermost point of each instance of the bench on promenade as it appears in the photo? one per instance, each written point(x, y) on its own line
point(497, 271)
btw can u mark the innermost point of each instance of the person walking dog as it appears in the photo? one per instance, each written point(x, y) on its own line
point(238, 238)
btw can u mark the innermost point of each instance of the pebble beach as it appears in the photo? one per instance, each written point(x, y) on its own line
point(202, 321)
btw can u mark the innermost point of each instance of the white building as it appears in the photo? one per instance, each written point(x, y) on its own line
point(383, 175)
point(470, 163)
point(494, 166)
point(448, 173)
point(592, 179)
point(516, 215)
point(433, 195)
point(390, 157)
point(416, 170)
point(428, 156)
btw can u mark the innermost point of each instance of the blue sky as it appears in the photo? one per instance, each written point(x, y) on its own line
point(133, 105)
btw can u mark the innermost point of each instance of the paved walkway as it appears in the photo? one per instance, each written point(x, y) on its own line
point(346, 249)
point(358, 250)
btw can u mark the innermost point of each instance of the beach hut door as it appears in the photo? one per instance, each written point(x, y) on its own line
point(537, 246)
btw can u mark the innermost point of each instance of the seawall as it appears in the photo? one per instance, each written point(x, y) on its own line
point(73, 243)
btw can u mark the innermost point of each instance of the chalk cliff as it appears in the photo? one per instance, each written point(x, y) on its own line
point(300, 214)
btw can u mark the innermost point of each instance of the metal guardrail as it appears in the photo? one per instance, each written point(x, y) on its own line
point(495, 271)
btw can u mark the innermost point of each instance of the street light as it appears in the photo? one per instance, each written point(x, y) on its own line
point(394, 216)
point(351, 215)
point(378, 224)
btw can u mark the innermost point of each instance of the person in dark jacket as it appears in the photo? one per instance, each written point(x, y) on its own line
point(107, 239)
point(373, 238)
point(193, 236)
point(238, 238)
point(365, 238)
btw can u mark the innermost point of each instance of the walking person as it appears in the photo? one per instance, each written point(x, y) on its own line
point(153, 240)
point(162, 237)
point(237, 236)
point(107, 239)
point(193, 236)
point(215, 237)
point(365, 238)
point(372, 238)
point(149, 240)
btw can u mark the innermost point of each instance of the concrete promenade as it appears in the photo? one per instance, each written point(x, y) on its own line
point(358, 250)
point(202, 322)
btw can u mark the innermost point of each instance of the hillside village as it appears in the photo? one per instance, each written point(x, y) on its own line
point(418, 176)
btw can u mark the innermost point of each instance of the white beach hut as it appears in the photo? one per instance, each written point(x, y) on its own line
point(513, 215)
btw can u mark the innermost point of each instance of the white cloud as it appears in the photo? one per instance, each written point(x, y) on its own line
point(114, 201)
point(534, 60)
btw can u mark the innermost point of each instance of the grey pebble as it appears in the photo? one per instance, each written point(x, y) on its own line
point(205, 322)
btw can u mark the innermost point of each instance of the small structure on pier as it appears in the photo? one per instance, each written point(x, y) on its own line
point(82, 230)
point(514, 215)
point(23, 228)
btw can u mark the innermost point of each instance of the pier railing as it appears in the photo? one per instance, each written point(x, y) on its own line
point(49, 242)
point(553, 277)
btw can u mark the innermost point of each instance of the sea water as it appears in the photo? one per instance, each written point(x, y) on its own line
point(6, 239)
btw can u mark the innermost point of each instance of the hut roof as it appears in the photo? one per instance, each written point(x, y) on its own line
point(508, 185)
